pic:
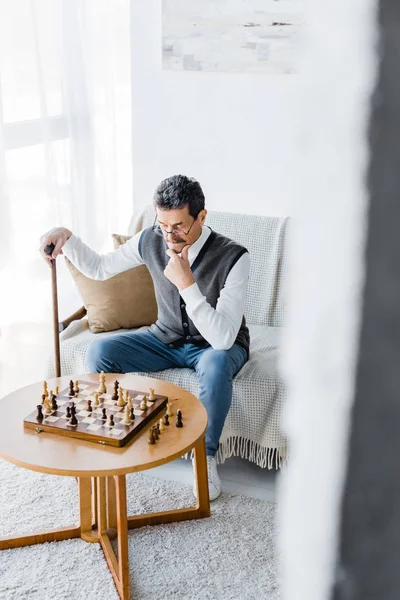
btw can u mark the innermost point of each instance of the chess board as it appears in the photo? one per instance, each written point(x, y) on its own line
point(91, 427)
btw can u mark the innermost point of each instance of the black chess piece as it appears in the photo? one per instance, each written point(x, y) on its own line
point(71, 389)
point(132, 415)
point(179, 419)
point(73, 420)
point(43, 398)
point(155, 431)
point(39, 415)
point(158, 429)
point(166, 420)
point(54, 405)
point(104, 414)
point(115, 394)
point(111, 421)
point(89, 406)
point(68, 411)
point(151, 436)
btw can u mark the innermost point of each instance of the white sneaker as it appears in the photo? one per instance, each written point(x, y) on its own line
point(214, 482)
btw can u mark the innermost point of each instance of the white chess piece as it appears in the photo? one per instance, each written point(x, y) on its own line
point(130, 403)
point(121, 401)
point(127, 420)
point(143, 404)
point(96, 399)
point(169, 410)
point(151, 395)
point(162, 426)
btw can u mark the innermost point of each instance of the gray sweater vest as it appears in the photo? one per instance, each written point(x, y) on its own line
point(210, 269)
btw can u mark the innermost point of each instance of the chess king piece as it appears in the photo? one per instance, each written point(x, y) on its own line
point(151, 395)
point(166, 419)
point(102, 386)
point(115, 394)
point(76, 388)
point(143, 404)
point(179, 418)
point(39, 415)
point(71, 389)
point(127, 420)
point(161, 425)
point(121, 401)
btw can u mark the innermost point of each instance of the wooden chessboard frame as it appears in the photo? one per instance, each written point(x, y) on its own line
point(61, 428)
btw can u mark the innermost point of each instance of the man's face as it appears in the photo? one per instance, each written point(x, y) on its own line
point(185, 229)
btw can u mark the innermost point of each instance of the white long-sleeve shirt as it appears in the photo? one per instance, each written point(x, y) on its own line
point(218, 326)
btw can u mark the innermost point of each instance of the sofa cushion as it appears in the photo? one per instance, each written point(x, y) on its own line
point(124, 301)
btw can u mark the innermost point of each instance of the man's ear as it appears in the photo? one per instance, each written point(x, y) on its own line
point(203, 214)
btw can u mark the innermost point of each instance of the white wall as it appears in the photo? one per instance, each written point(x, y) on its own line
point(229, 130)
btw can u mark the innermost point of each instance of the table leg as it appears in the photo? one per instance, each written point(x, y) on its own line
point(112, 499)
point(202, 508)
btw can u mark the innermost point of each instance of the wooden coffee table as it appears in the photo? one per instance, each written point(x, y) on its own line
point(101, 469)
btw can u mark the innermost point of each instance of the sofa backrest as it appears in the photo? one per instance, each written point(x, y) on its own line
point(264, 239)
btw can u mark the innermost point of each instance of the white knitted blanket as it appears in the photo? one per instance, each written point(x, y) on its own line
point(252, 429)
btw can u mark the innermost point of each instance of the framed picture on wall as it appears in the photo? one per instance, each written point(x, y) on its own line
point(230, 35)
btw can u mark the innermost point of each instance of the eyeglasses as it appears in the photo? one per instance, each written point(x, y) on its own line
point(160, 229)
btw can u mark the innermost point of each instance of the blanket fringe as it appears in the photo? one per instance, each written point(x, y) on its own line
point(270, 458)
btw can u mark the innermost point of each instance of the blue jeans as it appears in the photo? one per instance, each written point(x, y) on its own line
point(143, 352)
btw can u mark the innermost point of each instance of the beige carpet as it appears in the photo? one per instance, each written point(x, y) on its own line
point(230, 556)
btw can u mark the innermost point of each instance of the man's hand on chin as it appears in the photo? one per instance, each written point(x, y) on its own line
point(178, 269)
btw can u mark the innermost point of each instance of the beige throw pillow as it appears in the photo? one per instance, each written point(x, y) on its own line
point(125, 301)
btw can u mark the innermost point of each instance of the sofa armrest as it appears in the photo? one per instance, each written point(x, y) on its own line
point(79, 314)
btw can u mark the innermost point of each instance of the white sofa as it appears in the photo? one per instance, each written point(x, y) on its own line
point(252, 429)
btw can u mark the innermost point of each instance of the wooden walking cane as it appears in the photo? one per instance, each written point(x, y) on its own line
point(49, 250)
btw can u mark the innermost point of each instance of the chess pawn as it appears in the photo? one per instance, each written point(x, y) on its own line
point(73, 420)
point(132, 414)
point(71, 389)
point(166, 419)
point(161, 425)
point(156, 436)
point(126, 420)
point(111, 421)
point(151, 395)
point(179, 419)
point(151, 436)
point(39, 415)
point(76, 388)
point(143, 404)
point(56, 390)
point(121, 401)
point(169, 410)
point(96, 399)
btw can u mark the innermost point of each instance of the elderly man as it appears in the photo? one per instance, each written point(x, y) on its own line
point(200, 279)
